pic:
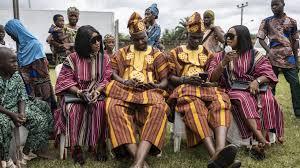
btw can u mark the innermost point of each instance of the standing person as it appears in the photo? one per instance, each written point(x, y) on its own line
point(135, 96)
point(109, 45)
point(32, 62)
point(255, 109)
point(58, 33)
point(153, 29)
point(283, 49)
point(213, 39)
point(17, 109)
point(73, 17)
point(206, 109)
point(84, 73)
point(2, 42)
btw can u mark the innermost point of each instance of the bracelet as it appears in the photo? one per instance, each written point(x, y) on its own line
point(78, 93)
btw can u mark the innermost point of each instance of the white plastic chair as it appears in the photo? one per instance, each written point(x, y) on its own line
point(62, 139)
point(179, 131)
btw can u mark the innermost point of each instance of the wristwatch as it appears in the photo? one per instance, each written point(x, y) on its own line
point(258, 81)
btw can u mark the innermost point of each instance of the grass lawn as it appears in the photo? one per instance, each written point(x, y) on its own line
point(279, 156)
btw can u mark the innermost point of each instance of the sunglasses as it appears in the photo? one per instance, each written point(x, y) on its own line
point(229, 36)
point(95, 39)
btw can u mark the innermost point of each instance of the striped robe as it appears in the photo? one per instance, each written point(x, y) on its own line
point(83, 124)
point(128, 107)
point(245, 105)
point(202, 108)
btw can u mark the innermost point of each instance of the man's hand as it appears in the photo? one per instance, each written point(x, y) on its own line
point(131, 82)
point(147, 86)
point(18, 119)
point(192, 80)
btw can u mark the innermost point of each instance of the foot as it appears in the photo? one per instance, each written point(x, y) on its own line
point(9, 164)
point(101, 154)
point(257, 152)
point(236, 164)
point(224, 158)
point(78, 155)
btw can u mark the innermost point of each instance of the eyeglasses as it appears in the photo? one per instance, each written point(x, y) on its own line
point(95, 39)
point(229, 36)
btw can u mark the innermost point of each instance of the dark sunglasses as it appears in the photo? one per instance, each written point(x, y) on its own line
point(229, 36)
point(95, 39)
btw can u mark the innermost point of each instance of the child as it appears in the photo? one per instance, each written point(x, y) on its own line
point(60, 37)
point(2, 42)
point(17, 109)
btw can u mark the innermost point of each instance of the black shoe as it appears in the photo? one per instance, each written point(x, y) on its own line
point(224, 158)
point(78, 156)
point(236, 164)
point(101, 154)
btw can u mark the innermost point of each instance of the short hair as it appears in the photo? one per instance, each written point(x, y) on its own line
point(55, 17)
point(1, 26)
point(82, 41)
point(244, 42)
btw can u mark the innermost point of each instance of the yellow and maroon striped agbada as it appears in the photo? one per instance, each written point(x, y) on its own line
point(128, 107)
point(204, 108)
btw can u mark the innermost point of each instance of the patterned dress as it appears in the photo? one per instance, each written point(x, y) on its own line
point(38, 116)
point(82, 123)
point(263, 108)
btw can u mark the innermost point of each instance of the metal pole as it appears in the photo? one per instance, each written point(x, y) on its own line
point(242, 6)
point(16, 9)
point(117, 34)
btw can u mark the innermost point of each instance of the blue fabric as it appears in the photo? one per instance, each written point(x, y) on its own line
point(30, 49)
point(153, 34)
point(292, 59)
point(153, 8)
point(274, 44)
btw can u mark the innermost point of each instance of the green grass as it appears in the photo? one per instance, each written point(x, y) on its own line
point(279, 156)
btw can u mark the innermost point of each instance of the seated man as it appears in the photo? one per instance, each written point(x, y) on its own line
point(135, 96)
point(204, 107)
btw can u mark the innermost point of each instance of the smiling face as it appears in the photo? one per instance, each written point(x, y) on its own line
point(231, 38)
point(149, 16)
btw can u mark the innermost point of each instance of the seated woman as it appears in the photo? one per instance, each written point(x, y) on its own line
point(84, 74)
point(254, 110)
point(17, 109)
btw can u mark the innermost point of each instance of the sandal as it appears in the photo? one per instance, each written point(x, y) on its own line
point(77, 155)
point(224, 158)
point(257, 152)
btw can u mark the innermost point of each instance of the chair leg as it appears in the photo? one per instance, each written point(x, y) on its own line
point(62, 149)
point(177, 142)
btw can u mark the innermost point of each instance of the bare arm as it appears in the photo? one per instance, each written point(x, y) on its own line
point(176, 80)
point(5, 111)
point(220, 34)
point(116, 77)
point(264, 45)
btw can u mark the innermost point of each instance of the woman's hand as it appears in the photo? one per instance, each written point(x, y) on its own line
point(254, 87)
point(94, 95)
point(86, 96)
point(228, 57)
point(18, 119)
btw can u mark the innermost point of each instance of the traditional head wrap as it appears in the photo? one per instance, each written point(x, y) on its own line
point(136, 24)
point(195, 24)
point(154, 10)
point(211, 14)
point(72, 10)
point(108, 36)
